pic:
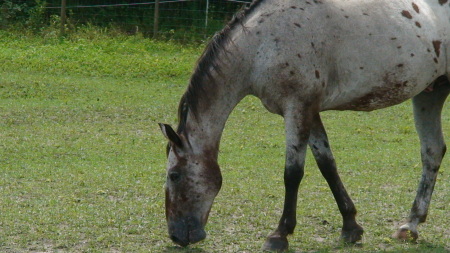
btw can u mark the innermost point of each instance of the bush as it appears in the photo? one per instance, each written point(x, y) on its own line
point(12, 12)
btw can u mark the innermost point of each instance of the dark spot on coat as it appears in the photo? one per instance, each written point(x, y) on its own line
point(418, 24)
point(399, 47)
point(346, 16)
point(406, 14)
point(437, 47)
point(365, 14)
point(442, 2)
point(399, 85)
point(292, 72)
point(400, 65)
point(361, 68)
point(415, 7)
point(298, 25)
point(293, 7)
point(412, 55)
point(261, 21)
point(308, 2)
point(393, 38)
point(435, 60)
point(299, 56)
point(317, 74)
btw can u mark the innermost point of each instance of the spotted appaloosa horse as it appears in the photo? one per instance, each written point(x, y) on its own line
point(301, 57)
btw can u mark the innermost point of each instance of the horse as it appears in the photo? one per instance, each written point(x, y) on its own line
point(302, 57)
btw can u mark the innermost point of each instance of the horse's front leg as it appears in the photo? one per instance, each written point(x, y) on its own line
point(427, 115)
point(318, 142)
point(297, 127)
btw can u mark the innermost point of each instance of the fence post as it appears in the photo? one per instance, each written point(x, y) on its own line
point(156, 19)
point(206, 14)
point(63, 18)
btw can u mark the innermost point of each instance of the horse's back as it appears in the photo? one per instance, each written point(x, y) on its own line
point(353, 54)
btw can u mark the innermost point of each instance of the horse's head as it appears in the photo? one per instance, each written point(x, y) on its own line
point(193, 181)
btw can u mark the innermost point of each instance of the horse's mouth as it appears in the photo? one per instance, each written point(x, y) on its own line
point(184, 233)
point(193, 237)
point(179, 241)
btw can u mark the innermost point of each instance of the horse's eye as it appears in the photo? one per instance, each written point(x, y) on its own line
point(174, 176)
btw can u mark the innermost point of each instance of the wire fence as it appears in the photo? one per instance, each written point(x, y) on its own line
point(178, 19)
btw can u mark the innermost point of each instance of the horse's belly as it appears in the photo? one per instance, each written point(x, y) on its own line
point(376, 99)
point(389, 91)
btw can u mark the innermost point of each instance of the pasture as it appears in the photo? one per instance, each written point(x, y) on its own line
point(82, 159)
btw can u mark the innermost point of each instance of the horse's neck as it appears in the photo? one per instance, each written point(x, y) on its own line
point(204, 128)
point(223, 88)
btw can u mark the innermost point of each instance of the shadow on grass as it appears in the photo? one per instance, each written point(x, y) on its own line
point(176, 249)
point(398, 247)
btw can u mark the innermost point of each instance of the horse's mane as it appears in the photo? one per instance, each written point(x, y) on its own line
point(207, 63)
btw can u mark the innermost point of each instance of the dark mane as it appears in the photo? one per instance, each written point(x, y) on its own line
point(207, 62)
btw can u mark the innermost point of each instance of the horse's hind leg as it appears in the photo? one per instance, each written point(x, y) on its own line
point(318, 142)
point(427, 114)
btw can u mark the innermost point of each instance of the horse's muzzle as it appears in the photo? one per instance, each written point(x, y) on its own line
point(186, 231)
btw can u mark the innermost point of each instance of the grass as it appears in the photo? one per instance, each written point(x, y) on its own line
point(82, 158)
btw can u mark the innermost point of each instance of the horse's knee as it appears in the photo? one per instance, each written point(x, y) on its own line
point(432, 157)
point(293, 175)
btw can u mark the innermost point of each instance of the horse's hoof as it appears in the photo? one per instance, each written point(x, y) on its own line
point(353, 235)
point(405, 234)
point(276, 243)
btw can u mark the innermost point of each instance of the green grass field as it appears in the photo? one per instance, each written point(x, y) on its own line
point(82, 159)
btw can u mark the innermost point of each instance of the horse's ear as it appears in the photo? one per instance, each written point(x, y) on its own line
point(171, 135)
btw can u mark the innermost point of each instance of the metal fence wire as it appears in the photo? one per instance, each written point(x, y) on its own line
point(174, 18)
